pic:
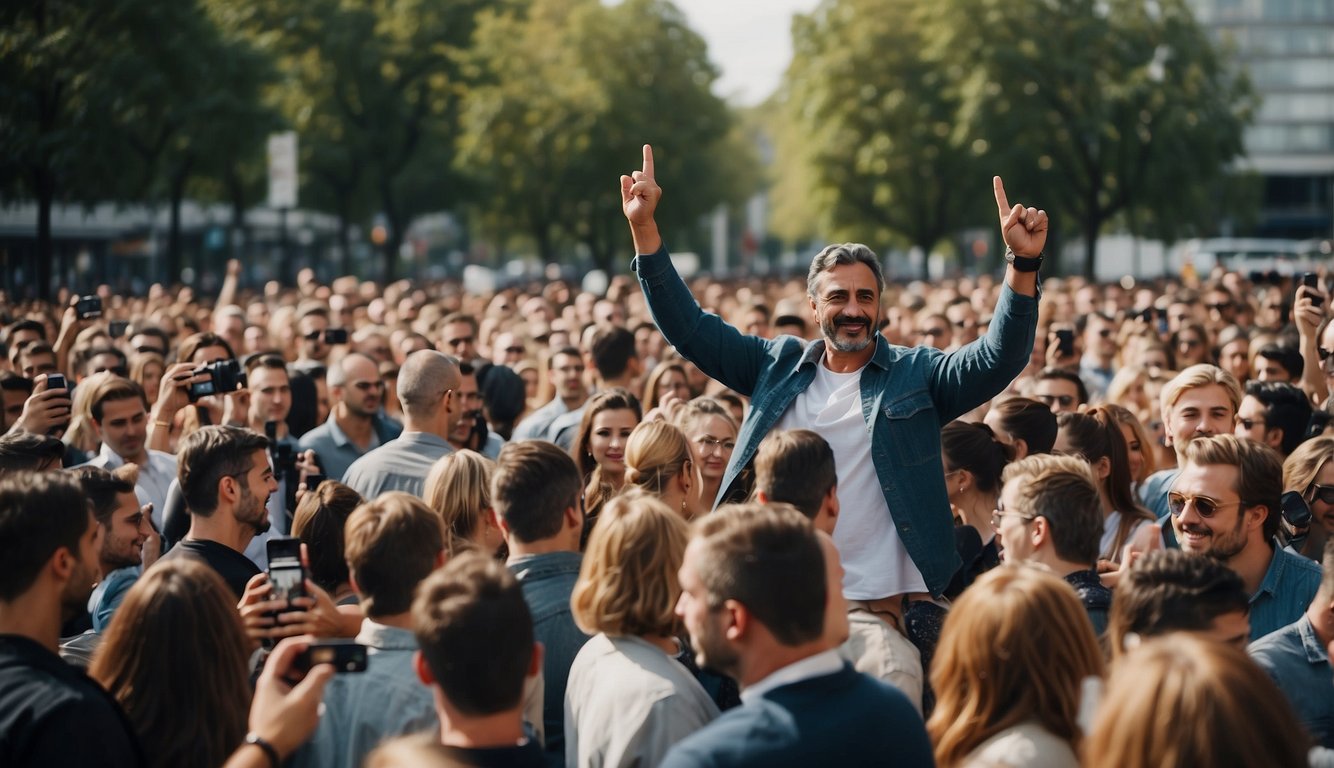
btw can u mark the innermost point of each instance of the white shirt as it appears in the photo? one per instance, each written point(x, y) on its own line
point(875, 562)
point(155, 477)
point(819, 665)
point(1109, 529)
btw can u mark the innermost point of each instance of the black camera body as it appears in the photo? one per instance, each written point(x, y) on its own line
point(223, 376)
point(88, 307)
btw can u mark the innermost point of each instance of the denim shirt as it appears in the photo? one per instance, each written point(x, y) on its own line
point(1287, 590)
point(908, 393)
point(548, 581)
point(1299, 664)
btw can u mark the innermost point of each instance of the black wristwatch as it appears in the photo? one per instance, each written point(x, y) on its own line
point(1023, 263)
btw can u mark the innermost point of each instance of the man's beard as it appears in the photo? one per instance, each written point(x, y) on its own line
point(829, 327)
point(251, 511)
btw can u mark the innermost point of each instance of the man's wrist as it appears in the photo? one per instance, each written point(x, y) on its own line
point(647, 238)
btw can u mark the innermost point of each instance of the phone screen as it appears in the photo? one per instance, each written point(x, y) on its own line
point(285, 571)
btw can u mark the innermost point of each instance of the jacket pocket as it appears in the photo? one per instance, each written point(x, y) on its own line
point(911, 429)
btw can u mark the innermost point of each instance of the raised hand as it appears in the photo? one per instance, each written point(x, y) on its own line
point(640, 192)
point(1024, 229)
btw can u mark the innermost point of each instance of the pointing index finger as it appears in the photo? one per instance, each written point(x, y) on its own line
point(648, 161)
point(1002, 202)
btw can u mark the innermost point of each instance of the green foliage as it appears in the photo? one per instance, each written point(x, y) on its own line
point(1100, 106)
point(872, 147)
point(566, 92)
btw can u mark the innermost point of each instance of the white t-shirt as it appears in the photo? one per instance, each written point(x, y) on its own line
point(875, 562)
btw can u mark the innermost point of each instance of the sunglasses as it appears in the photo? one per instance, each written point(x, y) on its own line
point(1065, 400)
point(1248, 423)
point(1219, 307)
point(1324, 353)
point(1205, 506)
point(1323, 493)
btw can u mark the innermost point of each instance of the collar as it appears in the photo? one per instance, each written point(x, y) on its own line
point(336, 432)
point(111, 459)
point(425, 438)
point(386, 638)
point(531, 566)
point(814, 354)
point(819, 665)
point(1316, 653)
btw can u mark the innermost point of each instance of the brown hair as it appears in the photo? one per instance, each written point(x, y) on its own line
point(1063, 490)
point(476, 634)
point(391, 544)
point(1096, 436)
point(1259, 472)
point(1185, 700)
point(1016, 647)
point(653, 385)
point(1029, 420)
point(1170, 591)
point(766, 557)
point(533, 484)
point(796, 466)
point(110, 388)
point(319, 521)
point(627, 583)
point(614, 399)
point(175, 659)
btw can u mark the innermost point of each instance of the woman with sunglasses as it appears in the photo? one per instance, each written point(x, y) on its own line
point(1309, 470)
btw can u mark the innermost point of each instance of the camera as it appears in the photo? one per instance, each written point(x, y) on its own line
point(335, 336)
point(116, 328)
point(88, 307)
point(1296, 512)
point(223, 376)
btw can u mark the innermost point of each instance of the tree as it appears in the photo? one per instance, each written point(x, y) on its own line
point(1107, 106)
point(872, 146)
point(374, 92)
point(66, 66)
point(567, 92)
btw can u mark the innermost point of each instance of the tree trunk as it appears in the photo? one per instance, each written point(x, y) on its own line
point(46, 193)
point(174, 247)
point(1092, 223)
point(236, 190)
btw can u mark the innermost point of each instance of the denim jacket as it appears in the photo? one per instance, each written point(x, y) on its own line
point(548, 581)
point(908, 393)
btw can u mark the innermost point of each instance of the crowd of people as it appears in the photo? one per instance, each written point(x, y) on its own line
point(991, 521)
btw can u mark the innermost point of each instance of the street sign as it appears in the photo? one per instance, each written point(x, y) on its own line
point(282, 170)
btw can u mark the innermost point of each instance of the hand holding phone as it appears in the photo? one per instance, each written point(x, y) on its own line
point(1311, 281)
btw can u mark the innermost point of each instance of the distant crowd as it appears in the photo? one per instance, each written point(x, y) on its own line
point(671, 524)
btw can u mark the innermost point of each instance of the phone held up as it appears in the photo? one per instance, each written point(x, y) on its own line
point(1312, 281)
point(286, 574)
point(344, 655)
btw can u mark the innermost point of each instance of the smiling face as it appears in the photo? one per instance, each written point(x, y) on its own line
point(1223, 534)
point(124, 428)
point(847, 306)
point(1199, 412)
point(124, 535)
point(712, 441)
point(1322, 510)
point(607, 437)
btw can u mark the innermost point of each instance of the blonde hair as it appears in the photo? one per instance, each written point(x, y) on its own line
point(655, 453)
point(628, 583)
point(1016, 647)
point(1125, 416)
point(1304, 464)
point(701, 408)
point(1196, 376)
point(458, 488)
point(1186, 700)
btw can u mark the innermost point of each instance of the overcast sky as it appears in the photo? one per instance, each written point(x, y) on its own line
point(749, 40)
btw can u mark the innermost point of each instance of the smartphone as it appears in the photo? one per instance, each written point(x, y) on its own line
point(1065, 342)
point(344, 655)
point(286, 573)
point(313, 481)
point(88, 307)
point(56, 381)
point(1312, 281)
point(116, 328)
point(335, 336)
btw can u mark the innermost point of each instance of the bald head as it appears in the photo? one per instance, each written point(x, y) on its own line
point(351, 368)
point(423, 381)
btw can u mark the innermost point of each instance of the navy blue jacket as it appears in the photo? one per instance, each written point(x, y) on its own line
point(846, 719)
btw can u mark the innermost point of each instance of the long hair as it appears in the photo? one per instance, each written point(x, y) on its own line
point(1095, 435)
point(1016, 647)
point(1123, 415)
point(459, 490)
point(614, 399)
point(627, 584)
point(175, 659)
point(1187, 700)
point(653, 385)
point(1303, 465)
point(319, 521)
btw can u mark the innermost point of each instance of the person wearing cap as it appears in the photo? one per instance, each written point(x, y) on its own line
point(880, 406)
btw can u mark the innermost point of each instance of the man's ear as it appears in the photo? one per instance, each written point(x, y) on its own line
point(1041, 531)
point(228, 489)
point(737, 619)
point(1274, 437)
point(422, 669)
point(62, 563)
point(498, 522)
point(573, 517)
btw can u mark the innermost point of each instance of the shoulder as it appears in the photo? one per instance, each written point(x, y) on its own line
point(1284, 641)
point(1025, 744)
point(1298, 569)
point(316, 436)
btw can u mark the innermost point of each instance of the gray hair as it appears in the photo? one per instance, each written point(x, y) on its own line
point(425, 377)
point(844, 253)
